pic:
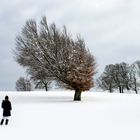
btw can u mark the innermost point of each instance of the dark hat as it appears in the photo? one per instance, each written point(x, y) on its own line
point(6, 97)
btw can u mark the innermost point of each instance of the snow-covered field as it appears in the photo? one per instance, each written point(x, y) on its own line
point(54, 116)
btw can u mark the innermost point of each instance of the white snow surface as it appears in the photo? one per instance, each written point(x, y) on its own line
point(55, 116)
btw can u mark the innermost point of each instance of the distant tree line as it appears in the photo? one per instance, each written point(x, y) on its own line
point(121, 76)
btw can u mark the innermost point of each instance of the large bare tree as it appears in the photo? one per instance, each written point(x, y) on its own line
point(65, 59)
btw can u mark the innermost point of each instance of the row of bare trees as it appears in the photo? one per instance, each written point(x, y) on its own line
point(120, 76)
point(50, 54)
point(33, 82)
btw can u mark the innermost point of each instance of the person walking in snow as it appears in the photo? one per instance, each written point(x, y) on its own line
point(6, 106)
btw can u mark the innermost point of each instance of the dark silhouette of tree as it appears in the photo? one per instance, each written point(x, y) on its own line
point(53, 50)
point(23, 84)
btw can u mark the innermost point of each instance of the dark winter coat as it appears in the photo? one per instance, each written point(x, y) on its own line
point(6, 105)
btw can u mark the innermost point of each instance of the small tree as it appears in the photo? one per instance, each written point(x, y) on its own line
point(23, 84)
point(66, 59)
point(120, 76)
point(135, 76)
point(40, 78)
point(106, 81)
point(137, 67)
point(124, 70)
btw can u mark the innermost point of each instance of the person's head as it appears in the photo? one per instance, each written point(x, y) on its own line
point(6, 97)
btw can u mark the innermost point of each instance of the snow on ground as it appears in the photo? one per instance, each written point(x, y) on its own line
point(54, 116)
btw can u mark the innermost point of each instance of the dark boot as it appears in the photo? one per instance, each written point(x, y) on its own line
point(2, 120)
point(6, 122)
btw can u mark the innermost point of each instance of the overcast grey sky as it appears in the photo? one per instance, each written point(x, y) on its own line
point(111, 29)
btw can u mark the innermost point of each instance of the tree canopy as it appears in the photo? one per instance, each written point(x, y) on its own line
point(67, 60)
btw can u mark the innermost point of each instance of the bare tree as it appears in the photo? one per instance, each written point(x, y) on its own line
point(120, 75)
point(135, 76)
point(23, 84)
point(106, 81)
point(124, 70)
point(115, 76)
point(67, 60)
point(40, 78)
point(137, 67)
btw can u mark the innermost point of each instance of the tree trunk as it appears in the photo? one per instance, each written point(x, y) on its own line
point(46, 87)
point(120, 89)
point(136, 91)
point(77, 96)
point(110, 89)
point(135, 86)
point(127, 87)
